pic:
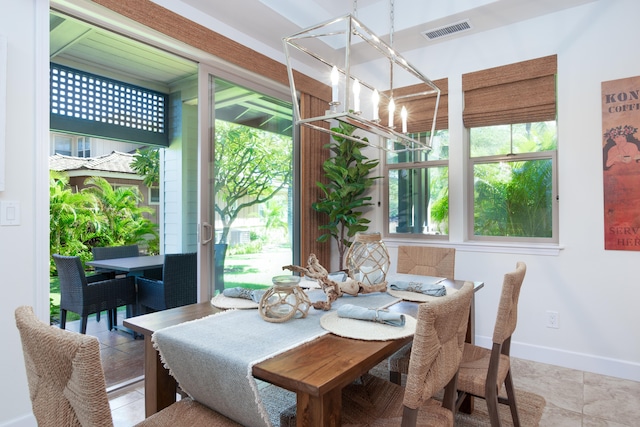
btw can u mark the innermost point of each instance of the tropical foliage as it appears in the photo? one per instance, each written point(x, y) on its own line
point(251, 167)
point(98, 215)
point(514, 198)
point(146, 163)
point(345, 199)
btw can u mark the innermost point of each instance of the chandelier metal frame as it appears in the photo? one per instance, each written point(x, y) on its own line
point(341, 107)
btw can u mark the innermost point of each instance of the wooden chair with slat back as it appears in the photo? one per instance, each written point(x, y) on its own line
point(483, 371)
point(67, 386)
point(423, 261)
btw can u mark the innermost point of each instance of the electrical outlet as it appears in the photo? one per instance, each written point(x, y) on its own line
point(552, 319)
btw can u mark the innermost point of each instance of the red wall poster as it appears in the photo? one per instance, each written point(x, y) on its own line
point(621, 163)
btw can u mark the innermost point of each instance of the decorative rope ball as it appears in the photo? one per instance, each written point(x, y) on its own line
point(284, 300)
point(368, 259)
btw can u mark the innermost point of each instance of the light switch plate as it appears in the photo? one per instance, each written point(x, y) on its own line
point(9, 213)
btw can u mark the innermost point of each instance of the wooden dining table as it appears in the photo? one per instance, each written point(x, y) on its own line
point(316, 371)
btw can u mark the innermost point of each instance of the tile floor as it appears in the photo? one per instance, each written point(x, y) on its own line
point(574, 398)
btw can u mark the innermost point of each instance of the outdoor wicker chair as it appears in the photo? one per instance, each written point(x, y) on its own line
point(178, 286)
point(111, 252)
point(79, 295)
point(67, 385)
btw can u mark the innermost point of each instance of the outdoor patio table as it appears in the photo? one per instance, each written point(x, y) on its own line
point(134, 265)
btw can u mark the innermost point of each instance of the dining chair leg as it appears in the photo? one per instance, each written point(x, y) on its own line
point(83, 325)
point(491, 398)
point(508, 382)
point(63, 319)
point(409, 417)
point(395, 377)
point(450, 394)
point(97, 316)
point(110, 319)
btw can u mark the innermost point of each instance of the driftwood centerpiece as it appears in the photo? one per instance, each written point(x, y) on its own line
point(332, 289)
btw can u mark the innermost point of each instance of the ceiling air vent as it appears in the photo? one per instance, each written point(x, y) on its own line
point(447, 30)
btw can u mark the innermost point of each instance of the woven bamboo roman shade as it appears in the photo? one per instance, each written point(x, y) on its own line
point(524, 92)
point(422, 107)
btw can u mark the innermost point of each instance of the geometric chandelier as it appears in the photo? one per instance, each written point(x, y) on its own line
point(367, 96)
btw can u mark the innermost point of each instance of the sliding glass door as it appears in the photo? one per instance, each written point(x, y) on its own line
point(248, 177)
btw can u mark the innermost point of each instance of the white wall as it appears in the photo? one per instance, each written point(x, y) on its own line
point(23, 266)
point(595, 292)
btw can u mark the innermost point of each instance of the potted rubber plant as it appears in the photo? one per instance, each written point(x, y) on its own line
point(344, 196)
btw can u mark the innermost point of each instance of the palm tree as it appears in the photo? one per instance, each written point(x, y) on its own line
point(122, 220)
point(71, 216)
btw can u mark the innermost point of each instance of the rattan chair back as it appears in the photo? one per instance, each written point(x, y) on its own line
point(66, 380)
point(427, 261)
point(438, 345)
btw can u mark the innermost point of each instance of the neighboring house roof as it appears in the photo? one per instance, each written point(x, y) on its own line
point(116, 161)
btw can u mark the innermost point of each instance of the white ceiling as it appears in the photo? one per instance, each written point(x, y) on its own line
point(77, 44)
point(270, 20)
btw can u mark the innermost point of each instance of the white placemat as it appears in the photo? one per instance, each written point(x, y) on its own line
point(227, 303)
point(366, 330)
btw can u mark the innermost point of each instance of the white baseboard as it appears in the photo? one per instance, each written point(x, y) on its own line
point(569, 359)
point(27, 420)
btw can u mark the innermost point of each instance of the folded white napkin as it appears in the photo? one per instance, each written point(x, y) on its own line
point(423, 288)
point(251, 294)
point(387, 317)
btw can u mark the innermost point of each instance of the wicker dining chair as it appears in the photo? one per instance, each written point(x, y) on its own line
point(437, 351)
point(423, 261)
point(483, 371)
point(178, 286)
point(67, 385)
point(80, 295)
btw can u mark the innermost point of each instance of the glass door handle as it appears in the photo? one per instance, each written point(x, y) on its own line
point(206, 234)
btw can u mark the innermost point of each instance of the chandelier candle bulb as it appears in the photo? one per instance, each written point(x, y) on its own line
point(335, 78)
point(375, 98)
point(392, 110)
point(356, 96)
point(403, 114)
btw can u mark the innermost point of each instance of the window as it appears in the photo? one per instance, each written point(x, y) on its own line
point(513, 172)
point(417, 197)
point(84, 146)
point(510, 112)
point(154, 195)
point(418, 189)
point(62, 145)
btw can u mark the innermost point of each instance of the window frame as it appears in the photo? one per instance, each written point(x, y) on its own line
point(515, 157)
point(151, 201)
point(85, 141)
point(412, 165)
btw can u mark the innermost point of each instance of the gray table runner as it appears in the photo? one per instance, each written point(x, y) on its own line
point(212, 358)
